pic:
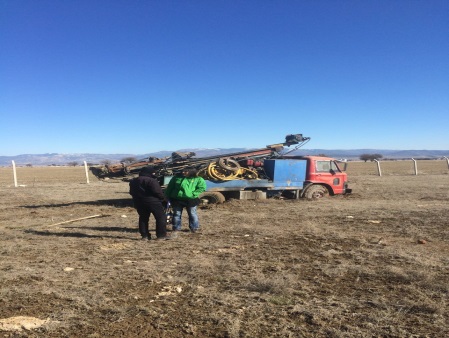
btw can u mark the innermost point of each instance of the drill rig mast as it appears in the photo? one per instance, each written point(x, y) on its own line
point(238, 165)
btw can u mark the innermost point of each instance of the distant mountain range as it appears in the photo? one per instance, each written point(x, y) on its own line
point(352, 154)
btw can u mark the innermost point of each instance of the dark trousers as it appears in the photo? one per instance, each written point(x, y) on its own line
point(145, 209)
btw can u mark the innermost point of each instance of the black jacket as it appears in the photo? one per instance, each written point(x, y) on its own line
point(146, 189)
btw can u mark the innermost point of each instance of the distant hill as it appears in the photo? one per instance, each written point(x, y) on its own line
point(350, 154)
point(354, 154)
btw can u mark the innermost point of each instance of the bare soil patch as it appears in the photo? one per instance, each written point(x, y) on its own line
point(374, 263)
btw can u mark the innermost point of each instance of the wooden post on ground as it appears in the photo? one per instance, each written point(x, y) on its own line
point(447, 160)
point(416, 166)
point(378, 168)
point(14, 173)
point(87, 172)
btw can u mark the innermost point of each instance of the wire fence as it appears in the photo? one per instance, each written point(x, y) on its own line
point(402, 167)
point(34, 176)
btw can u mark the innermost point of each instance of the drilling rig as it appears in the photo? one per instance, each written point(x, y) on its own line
point(253, 174)
point(233, 166)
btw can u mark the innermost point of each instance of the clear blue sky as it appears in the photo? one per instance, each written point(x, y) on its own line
point(109, 76)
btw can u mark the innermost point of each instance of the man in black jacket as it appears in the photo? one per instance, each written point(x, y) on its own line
point(148, 198)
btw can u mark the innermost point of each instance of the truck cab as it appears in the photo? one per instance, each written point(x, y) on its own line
point(325, 172)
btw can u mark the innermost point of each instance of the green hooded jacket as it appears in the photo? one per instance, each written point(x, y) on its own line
point(185, 188)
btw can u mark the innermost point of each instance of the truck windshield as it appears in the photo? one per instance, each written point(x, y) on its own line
point(342, 165)
point(326, 166)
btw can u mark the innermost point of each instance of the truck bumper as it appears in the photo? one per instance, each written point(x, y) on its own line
point(347, 189)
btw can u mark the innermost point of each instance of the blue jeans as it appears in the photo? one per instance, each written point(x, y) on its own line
point(177, 216)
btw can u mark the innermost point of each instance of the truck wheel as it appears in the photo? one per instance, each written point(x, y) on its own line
point(212, 197)
point(316, 192)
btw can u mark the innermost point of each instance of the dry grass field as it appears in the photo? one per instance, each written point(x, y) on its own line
point(371, 264)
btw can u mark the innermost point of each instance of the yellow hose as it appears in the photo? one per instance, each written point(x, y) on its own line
point(215, 172)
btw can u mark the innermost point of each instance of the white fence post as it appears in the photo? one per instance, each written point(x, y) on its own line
point(447, 160)
point(416, 166)
point(87, 172)
point(378, 168)
point(14, 173)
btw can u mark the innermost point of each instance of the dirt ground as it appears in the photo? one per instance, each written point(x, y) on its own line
point(371, 264)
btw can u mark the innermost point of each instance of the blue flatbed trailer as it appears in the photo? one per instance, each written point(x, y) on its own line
point(283, 174)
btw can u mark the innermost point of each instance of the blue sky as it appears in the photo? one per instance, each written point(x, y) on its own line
point(142, 76)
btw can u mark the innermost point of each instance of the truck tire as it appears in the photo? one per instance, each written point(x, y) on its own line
point(229, 164)
point(212, 197)
point(316, 192)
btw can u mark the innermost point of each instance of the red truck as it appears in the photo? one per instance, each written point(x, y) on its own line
point(310, 177)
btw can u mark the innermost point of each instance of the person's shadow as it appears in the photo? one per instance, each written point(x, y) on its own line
point(104, 232)
point(118, 203)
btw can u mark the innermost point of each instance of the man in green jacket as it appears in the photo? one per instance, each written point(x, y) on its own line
point(183, 192)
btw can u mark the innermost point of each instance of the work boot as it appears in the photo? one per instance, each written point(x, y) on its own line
point(172, 235)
